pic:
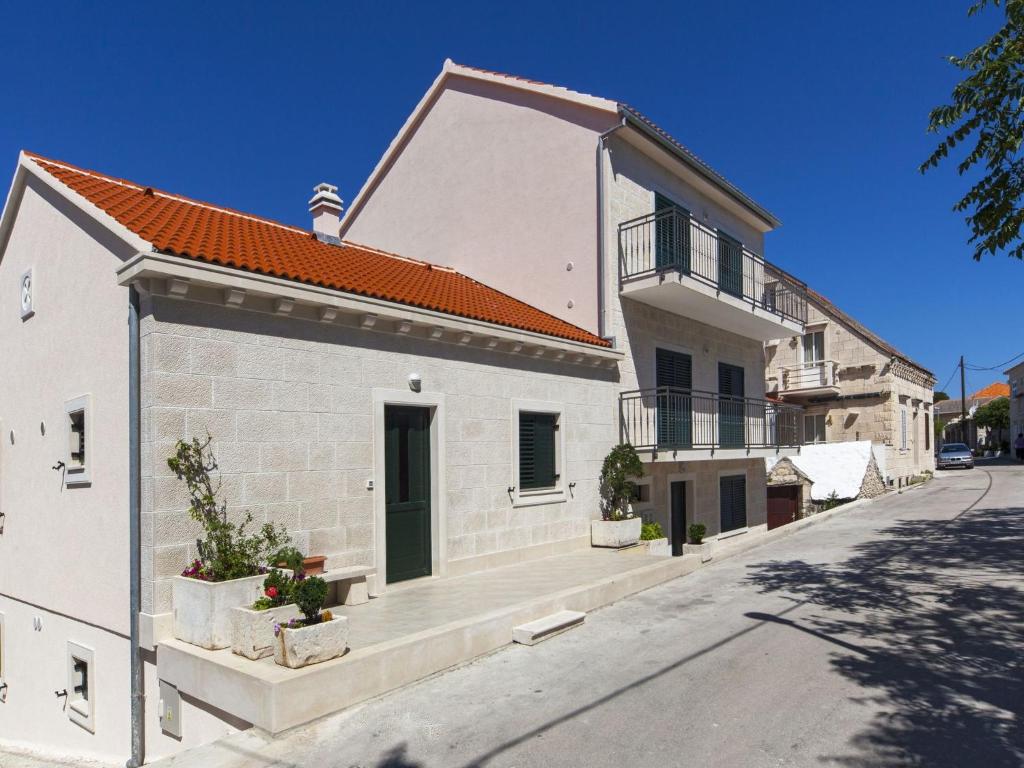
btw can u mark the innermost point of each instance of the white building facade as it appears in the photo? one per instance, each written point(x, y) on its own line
point(602, 219)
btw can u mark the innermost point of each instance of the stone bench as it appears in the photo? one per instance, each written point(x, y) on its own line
point(351, 582)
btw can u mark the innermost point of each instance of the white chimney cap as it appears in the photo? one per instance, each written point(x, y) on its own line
point(326, 207)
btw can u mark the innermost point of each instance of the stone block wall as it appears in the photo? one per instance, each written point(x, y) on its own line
point(288, 402)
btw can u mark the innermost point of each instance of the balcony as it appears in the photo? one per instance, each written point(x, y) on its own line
point(671, 261)
point(809, 380)
point(670, 424)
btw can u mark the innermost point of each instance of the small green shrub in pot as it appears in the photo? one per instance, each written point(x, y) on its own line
point(697, 531)
point(651, 532)
point(621, 465)
point(309, 594)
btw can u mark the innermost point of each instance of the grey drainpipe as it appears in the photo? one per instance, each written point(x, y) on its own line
point(602, 325)
point(134, 522)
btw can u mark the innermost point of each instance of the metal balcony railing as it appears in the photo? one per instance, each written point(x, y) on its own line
point(668, 418)
point(672, 240)
point(809, 376)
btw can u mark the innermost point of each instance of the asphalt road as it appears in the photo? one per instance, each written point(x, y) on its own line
point(890, 635)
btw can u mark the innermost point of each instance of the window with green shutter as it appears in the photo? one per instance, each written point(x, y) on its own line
point(671, 234)
point(732, 495)
point(674, 399)
point(538, 450)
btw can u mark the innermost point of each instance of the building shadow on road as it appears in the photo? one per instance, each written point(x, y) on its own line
point(929, 622)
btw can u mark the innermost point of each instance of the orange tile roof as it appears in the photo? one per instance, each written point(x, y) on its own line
point(995, 389)
point(189, 228)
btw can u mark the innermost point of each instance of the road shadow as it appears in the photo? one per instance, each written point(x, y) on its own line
point(931, 619)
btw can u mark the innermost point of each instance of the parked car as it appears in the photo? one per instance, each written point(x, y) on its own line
point(954, 455)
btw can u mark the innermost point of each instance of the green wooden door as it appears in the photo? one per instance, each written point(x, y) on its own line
point(671, 235)
point(730, 406)
point(674, 399)
point(407, 492)
point(730, 265)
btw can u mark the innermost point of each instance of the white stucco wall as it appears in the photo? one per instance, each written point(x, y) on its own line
point(289, 402)
point(64, 550)
point(501, 185)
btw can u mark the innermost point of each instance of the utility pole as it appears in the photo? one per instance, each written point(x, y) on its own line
point(963, 406)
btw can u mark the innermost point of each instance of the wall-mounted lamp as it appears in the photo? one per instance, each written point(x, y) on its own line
point(415, 382)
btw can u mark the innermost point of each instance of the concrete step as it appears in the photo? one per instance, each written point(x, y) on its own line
point(546, 627)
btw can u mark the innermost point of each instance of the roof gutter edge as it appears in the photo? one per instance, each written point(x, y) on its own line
point(731, 189)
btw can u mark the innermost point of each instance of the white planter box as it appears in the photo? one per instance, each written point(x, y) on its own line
point(202, 609)
point(302, 646)
point(659, 547)
point(704, 550)
point(252, 631)
point(615, 533)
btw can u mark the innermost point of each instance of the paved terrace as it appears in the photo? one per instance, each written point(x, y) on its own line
point(412, 632)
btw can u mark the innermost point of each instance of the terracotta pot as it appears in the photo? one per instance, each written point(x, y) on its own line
point(314, 565)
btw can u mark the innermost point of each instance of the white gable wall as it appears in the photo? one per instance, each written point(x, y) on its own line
point(64, 550)
point(500, 184)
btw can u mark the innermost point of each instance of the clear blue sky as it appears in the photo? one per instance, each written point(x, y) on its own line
point(817, 110)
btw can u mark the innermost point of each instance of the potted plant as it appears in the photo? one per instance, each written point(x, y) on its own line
point(293, 559)
point(317, 636)
point(697, 546)
point(252, 626)
point(654, 536)
point(618, 526)
point(232, 562)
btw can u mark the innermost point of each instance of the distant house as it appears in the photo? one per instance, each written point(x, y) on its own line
point(854, 385)
point(949, 414)
point(1015, 377)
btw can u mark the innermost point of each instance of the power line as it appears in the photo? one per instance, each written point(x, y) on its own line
point(955, 369)
point(994, 367)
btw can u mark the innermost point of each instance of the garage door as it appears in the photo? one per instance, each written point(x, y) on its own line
point(783, 504)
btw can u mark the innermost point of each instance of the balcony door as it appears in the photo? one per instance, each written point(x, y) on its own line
point(730, 265)
point(675, 401)
point(671, 235)
point(730, 406)
point(814, 348)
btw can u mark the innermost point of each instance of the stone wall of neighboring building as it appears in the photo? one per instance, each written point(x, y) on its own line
point(784, 473)
point(875, 390)
point(1015, 377)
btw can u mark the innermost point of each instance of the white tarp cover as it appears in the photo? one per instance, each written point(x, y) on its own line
point(833, 467)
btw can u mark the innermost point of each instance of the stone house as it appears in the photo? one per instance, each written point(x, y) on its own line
point(598, 216)
point(565, 276)
point(854, 385)
point(295, 352)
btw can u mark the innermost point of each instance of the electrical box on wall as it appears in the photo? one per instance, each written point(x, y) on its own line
point(170, 710)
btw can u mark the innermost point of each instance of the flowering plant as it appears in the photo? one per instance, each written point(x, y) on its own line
point(278, 588)
point(228, 550)
point(198, 571)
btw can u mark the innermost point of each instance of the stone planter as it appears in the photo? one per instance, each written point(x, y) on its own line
point(615, 533)
point(704, 550)
point(252, 632)
point(302, 646)
point(659, 547)
point(202, 609)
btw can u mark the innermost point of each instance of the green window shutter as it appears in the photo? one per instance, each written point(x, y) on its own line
point(538, 435)
point(671, 235)
point(730, 264)
point(732, 492)
point(674, 406)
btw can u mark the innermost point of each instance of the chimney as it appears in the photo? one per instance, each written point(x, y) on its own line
point(326, 209)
